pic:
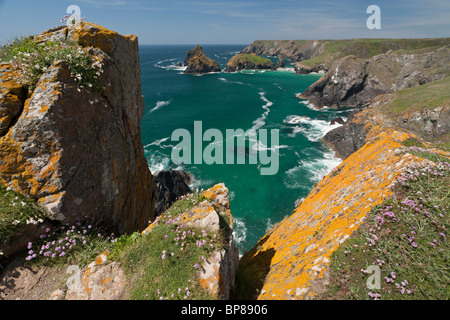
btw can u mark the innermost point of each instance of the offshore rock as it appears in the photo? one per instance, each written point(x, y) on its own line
point(78, 152)
point(251, 61)
point(169, 186)
point(198, 62)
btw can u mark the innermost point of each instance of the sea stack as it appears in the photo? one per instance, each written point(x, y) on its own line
point(250, 61)
point(197, 62)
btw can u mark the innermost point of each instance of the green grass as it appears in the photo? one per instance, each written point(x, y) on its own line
point(16, 211)
point(34, 59)
point(256, 59)
point(367, 48)
point(413, 142)
point(406, 237)
point(427, 96)
point(163, 263)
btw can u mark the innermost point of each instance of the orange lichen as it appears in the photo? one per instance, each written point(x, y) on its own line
point(299, 249)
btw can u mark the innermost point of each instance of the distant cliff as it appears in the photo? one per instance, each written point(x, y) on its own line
point(320, 54)
point(72, 140)
point(353, 81)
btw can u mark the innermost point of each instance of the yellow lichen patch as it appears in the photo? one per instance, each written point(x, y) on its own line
point(212, 192)
point(299, 249)
point(91, 34)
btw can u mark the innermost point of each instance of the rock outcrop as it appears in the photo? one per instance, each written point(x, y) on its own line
point(295, 50)
point(169, 186)
point(102, 279)
point(251, 61)
point(428, 123)
point(321, 54)
point(78, 152)
point(353, 81)
point(293, 259)
point(217, 274)
point(197, 62)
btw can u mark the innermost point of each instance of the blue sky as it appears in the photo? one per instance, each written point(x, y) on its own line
point(232, 21)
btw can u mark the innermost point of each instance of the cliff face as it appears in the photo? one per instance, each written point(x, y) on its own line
point(169, 186)
point(295, 50)
point(352, 81)
point(321, 54)
point(249, 62)
point(198, 62)
point(78, 152)
point(423, 111)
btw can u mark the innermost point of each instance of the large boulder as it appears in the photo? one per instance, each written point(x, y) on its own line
point(78, 152)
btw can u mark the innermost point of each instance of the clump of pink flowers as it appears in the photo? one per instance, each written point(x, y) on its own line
point(60, 242)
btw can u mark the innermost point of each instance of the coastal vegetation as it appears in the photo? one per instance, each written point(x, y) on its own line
point(406, 237)
point(16, 211)
point(32, 59)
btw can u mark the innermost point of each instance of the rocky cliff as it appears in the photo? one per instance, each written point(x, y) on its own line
point(408, 100)
point(423, 111)
point(76, 149)
point(104, 279)
point(353, 81)
point(321, 54)
point(169, 186)
point(250, 61)
point(292, 260)
point(295, 50)
point(197, 62)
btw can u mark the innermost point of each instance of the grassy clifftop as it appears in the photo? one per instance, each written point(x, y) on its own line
point(325, 52)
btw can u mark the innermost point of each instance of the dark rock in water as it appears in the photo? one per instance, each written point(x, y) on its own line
point(281, 63)
point(198, 62)
point(337, 120)
point(347, 138)
point(178, 64)
point(169, 185)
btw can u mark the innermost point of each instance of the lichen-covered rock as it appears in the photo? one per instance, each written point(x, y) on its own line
point(296, 254)
point(79, 152)
point(218, 272)
point(197, 62)
point(12, 97)
point(102, 279)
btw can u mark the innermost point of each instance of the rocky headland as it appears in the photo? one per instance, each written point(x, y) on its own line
point(355, 82)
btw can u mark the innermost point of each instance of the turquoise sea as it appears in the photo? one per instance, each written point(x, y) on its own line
point(244, 100)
